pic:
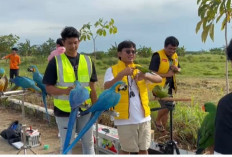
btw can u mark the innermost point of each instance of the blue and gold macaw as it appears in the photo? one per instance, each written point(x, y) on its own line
point(77, 96)
point(38, 78)
point(206, 131)
point(25, 83)
point(3, 81)
point(107, 99)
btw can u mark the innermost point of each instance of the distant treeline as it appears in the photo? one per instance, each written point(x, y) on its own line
point(26, 49)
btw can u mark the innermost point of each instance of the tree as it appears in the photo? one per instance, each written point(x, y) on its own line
point(144, 51)
point(7, 42)
point(26, 49)
point(181, 51)
point(46, 48)
point(210, 12)
point(219, 50)
point(101, 28)
point(113, 51)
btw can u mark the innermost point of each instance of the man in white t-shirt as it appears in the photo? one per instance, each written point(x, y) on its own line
point(133, 123)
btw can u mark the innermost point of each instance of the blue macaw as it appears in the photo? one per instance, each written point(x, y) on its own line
point(38, 78)
point(3, 81)
point(77, 96)
point(25, 83)
point(108, 98)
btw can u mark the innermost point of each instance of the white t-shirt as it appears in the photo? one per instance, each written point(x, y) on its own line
point(136, 113)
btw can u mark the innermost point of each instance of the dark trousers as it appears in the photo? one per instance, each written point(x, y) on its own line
point(14, 73)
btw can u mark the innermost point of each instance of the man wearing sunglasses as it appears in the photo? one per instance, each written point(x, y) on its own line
point(165, 63)
point(133, 123)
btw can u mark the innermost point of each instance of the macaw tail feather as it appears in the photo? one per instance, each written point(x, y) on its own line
point(36, 88)
point(200, 150)
point(90, 123)
point(46, 106)
point(71, 121)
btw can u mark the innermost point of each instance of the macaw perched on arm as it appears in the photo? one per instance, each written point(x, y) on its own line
point(108, 98)
point(25, 83)
point(3, 81)
point(38, 78)
point(77, 96)
point(206, 131)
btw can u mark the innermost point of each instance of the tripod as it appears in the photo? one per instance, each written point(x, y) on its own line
point(169, 146)
point(25, 146)
point(23, 131)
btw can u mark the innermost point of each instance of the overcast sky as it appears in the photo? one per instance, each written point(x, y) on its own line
point(146, 22)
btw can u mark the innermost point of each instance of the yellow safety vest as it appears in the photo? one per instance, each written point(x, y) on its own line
point(164, 67)
point(123, 106)
point(66, 78)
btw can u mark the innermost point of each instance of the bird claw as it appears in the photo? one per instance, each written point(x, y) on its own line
point(85, 106)
point(78, 114)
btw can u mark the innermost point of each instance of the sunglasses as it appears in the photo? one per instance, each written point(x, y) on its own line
point(130, 51)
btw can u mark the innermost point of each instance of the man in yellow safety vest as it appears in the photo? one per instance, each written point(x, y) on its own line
point(59, 77)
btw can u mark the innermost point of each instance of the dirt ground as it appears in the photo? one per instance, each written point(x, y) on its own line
point(48, 134)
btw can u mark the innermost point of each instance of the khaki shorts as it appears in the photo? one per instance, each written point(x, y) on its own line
point(135, 137)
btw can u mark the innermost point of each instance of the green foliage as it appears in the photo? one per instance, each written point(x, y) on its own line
point(46, 48)
point(101, 28)
point(184, 118)
point(210, 12)
point(217, 51)
point(7, 42)
point(99, 54)
point(181, 51)
point(144, 51)
point(203, 65)
point(25, 49)
point(113, 51)
point(143, 61)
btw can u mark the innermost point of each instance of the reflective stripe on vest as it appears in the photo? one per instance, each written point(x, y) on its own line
point(66, 78)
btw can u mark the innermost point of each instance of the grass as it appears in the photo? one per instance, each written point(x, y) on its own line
point(202, 78)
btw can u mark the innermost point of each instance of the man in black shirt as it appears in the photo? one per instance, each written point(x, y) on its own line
point(59, 77)
point(165, 63)
point(223, 120)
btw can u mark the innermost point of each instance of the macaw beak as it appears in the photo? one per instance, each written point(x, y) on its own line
point(30, 69)
point(203, 108)
point(122, 87)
